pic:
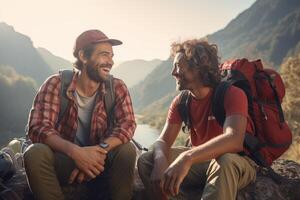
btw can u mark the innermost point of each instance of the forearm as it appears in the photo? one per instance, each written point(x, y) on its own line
point(225, 143)
point(56, 143)
point(230, 141)
point(113, 142)
point(162, 146)
point(161, 149)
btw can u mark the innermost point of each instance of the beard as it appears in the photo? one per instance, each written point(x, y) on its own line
point(181, 84)
point(93, 73)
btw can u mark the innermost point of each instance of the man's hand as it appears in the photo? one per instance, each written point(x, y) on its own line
point(79, 176)
point(175, 174)
point(90, 160)
point(160, 165)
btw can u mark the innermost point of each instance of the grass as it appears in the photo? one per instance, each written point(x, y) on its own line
point(293, 153)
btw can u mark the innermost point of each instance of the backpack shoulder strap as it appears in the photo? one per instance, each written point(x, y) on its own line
point(66, 78)
point(109, 102)
point(183, 110)
point(218, 98)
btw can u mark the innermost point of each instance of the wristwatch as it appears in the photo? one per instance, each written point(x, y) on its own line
point(103, 145)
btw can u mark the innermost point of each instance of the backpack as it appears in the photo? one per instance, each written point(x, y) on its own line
point(109, 101)
point(7, 169)
point(265, 90)
point(13, 183)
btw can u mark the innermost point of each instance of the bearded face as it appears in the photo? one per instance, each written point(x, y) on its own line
point(98, 66)
point(182, 73)
point(98, 72)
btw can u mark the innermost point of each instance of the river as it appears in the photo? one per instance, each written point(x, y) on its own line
point(145, 135)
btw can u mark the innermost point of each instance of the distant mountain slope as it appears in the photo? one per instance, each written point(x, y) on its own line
point(134, 71)
point(155, 113)
point(269, 29)
point(55, 62)
point(17, 51)
point(16, 97)
point(155, 86)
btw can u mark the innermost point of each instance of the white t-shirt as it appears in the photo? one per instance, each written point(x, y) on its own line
point(85, 111)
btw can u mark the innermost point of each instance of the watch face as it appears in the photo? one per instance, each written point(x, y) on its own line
point(103, 145)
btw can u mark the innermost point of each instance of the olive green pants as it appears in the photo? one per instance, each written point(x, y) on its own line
point(217, 179)
point(49, 171)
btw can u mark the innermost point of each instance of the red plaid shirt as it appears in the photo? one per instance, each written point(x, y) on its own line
point(44, 113)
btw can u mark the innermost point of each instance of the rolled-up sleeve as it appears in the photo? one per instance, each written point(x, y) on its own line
point(44, 112)
point(125, 121)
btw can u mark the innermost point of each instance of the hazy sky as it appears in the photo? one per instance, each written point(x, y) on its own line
point(147, 27)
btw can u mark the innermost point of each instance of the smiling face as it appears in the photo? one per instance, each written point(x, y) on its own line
point(184, 75)
point(100, 63)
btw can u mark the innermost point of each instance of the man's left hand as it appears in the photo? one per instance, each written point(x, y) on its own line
point(79, 176)
point(175, 173)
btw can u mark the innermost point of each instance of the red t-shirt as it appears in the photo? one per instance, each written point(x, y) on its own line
point(204, 124)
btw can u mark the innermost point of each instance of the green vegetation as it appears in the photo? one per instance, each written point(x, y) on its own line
point(290, 71)
point(262, 31)
point(17, 51)
point(16, 97)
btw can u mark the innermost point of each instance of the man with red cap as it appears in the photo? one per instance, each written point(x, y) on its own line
point(80, 148)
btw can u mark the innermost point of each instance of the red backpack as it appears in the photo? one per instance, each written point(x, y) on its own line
point(265, 90)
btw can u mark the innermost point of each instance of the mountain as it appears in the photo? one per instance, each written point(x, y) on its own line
point(269, 29)
point(17, 51)
point(16, 97)
point(22, 70)
point(158, 109)
point(55, 62)
point(134, 71)
point(155, 86)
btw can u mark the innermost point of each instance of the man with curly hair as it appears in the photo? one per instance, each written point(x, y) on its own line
point(212, 165)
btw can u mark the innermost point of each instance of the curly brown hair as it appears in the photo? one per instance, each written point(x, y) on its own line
point(202, 56)
point(87, 53)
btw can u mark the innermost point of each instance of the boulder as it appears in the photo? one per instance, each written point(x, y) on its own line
point(285, 186)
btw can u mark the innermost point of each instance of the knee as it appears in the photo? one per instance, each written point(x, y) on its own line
point(145, 162)
point(126, 152)
point(144, 158)
point(36, 153)
point(225, 163)
point(226, 160)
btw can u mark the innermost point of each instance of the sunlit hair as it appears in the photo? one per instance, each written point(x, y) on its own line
point(202, 56)
point(87, 53)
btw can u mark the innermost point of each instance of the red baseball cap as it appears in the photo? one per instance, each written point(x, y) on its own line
point(92, 37)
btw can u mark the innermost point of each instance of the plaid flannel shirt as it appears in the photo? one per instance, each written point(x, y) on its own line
point(44, 113)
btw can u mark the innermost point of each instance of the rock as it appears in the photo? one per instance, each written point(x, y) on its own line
point(287, 187)
point(264, 188)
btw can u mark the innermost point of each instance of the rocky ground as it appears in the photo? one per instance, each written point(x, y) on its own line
point(287, 187)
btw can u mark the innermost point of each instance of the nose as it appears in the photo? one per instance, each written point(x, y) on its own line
point(110, 61)
point(174, 71)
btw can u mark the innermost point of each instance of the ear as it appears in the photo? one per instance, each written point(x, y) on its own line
point(82, 57)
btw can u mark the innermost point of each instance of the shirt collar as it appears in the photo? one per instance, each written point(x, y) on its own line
point(72, 87)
